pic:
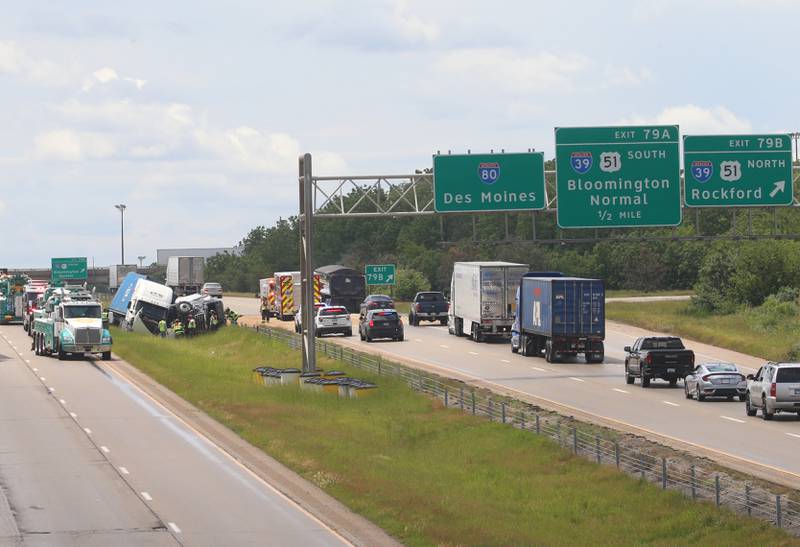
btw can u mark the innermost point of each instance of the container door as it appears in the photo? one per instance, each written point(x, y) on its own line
point(493, 297)
point(513, 278)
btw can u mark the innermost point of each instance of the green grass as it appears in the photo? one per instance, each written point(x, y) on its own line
point(427, 475)
point(629, 293)
point(730, 331)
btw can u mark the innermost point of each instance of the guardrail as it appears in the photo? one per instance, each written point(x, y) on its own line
point(593, 443)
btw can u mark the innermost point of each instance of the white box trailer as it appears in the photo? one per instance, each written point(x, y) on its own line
point(483, 298)
point(185, 274)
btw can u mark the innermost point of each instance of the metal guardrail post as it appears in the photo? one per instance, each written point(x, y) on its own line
point(490, 410)
point(663, 473)
point(694, 485)
point(616, 453)
point(574, 440)
point(461, 399)
point(538, 425)
point(380, 360)
point(503, 411)
point(597, 447)
point(716, 489)
point(473, 403)
point(641, 464)
point(446, 397)
point(778, 515)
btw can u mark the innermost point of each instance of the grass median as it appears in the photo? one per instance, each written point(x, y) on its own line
point(731, 331)
point(427, 475)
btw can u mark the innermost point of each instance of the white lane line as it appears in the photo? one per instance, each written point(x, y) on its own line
point(795, 435)
point(618, 390)
point(28, 361)
point(174, 527)
point(473, 353)
point(443, 346)
point(417, 340)
point(670, 403)
point(124, 471)
point(737, 420)
point(539, 369)
point(35, 369)
point(62, 401)
point(42, 378)
point(147, 497)
point(73, 414)
point(105, 449)
point(51, 389)
point(87, 430)
point(504, 361)
point(577, 379)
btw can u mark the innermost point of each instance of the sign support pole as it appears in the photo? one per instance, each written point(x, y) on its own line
point(307, 261)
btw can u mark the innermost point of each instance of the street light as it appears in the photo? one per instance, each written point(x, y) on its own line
point(141, 259)
point(796, 139)
point(121, 207)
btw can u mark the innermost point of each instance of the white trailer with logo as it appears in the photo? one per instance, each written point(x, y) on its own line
point(483, 298)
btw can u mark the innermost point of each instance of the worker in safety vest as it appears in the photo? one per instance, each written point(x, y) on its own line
point(162, 328)
point(191, 328)
point(264, 311)
point(214, 320)
point(177, 328)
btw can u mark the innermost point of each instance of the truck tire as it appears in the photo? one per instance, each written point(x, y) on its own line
point(645, 379)
point(458, 326)
point(764, 413)
point(348, 332)
point(106, 356)
point(477, 335)
point(184, 307)
point(548, 351)
point(673, 382)
point(62, 356)
point(628, 378)
point(748, 408)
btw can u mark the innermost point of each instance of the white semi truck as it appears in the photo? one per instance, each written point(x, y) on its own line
point(185, 274)
point(148, 305)
point(483, 298)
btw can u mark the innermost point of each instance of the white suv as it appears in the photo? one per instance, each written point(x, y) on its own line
point(774, 388)
point(333, 319)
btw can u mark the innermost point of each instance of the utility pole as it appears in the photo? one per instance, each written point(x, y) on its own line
point(121, 207)
point(796, 139)
point(306, 189)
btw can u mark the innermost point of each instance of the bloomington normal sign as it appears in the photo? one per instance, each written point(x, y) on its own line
point(489, 182)
point(737, 170)
point(616, 177)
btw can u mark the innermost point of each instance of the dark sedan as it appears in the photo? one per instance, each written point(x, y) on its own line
point(380, 324)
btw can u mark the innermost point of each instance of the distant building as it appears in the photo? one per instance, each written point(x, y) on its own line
point(162, 255)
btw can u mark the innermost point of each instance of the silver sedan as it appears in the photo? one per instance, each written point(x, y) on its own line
point(715, 380)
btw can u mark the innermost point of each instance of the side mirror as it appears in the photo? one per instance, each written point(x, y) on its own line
point(627, 349)
point(750, 377)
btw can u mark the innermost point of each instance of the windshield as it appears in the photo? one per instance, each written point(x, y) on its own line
point(662, 343)
point(430, 297)
point(722, 367)
point(92, 312)
point(788, 375)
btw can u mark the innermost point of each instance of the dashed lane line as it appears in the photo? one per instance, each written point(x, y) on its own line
point(124, 470)
point(737, 420)
point(577, 379)
point(670, 403)
point(174, 527)
point(146, 496)
point(618, 390)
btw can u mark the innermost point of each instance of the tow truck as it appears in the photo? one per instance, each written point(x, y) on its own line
point(71, 323)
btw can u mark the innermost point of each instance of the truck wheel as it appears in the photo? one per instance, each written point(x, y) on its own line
point(764, 413)
point(673, 382)
point(748, 408)
point(443, 322)
point(477, 335)
point(62, 356)
point(628, 378)
point(348, 332)
point(548, 351)
point(645, 380)
point(106, 356)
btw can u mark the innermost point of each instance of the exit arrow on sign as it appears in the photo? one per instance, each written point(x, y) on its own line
point(780, 186)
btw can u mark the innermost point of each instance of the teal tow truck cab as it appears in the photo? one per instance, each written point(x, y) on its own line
point(71, 324)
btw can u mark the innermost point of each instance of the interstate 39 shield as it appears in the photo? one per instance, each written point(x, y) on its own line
point(581, 162)
point(702, 170)
point(489, 172)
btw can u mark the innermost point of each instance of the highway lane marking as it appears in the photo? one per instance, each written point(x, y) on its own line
point(618, 390)
point(124, 471)
point(473, 353)
point(35, 369)
point(73, 414)
point(670, 403)
point(87, 430)
point(174, 527)
point(577, 379)
point(417, 340)
point(62, 401)
point(539, 369)
point(105, 449)
point(146, 496)
point(28, 361)
point(42, 378)
point(737, 420)
point(443, 346)
point(795, 435)
point(51, 389)
point(504, 361)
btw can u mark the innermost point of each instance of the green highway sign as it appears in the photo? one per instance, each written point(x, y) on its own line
point(614, 177)
point(489, 182)
point(64, 269)
point(380, 274)
point(737, 170)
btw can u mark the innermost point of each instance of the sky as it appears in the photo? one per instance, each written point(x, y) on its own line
point(193, 113)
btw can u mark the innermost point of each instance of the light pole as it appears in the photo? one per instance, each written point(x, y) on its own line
point(796, 139)
point(141, 259)
point(122, 208)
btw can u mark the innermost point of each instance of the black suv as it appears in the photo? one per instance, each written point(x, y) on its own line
point(376, 302)
point(380, 324)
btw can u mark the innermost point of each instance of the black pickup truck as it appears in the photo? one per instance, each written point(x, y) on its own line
point(428, 306)
point(662, 357)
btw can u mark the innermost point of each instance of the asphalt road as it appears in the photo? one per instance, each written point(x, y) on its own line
point(88, 459)
point(719, 427)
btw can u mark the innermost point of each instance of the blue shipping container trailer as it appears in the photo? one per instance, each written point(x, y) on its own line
point(560, 316)
point(122, 298)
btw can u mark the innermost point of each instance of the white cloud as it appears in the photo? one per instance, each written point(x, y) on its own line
point(16, 61)
point(697, 120)
point(72, 146)
point(137, 82)
point(411, 27)
point(503, 69)
point(626, 76)
point(251, 149)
